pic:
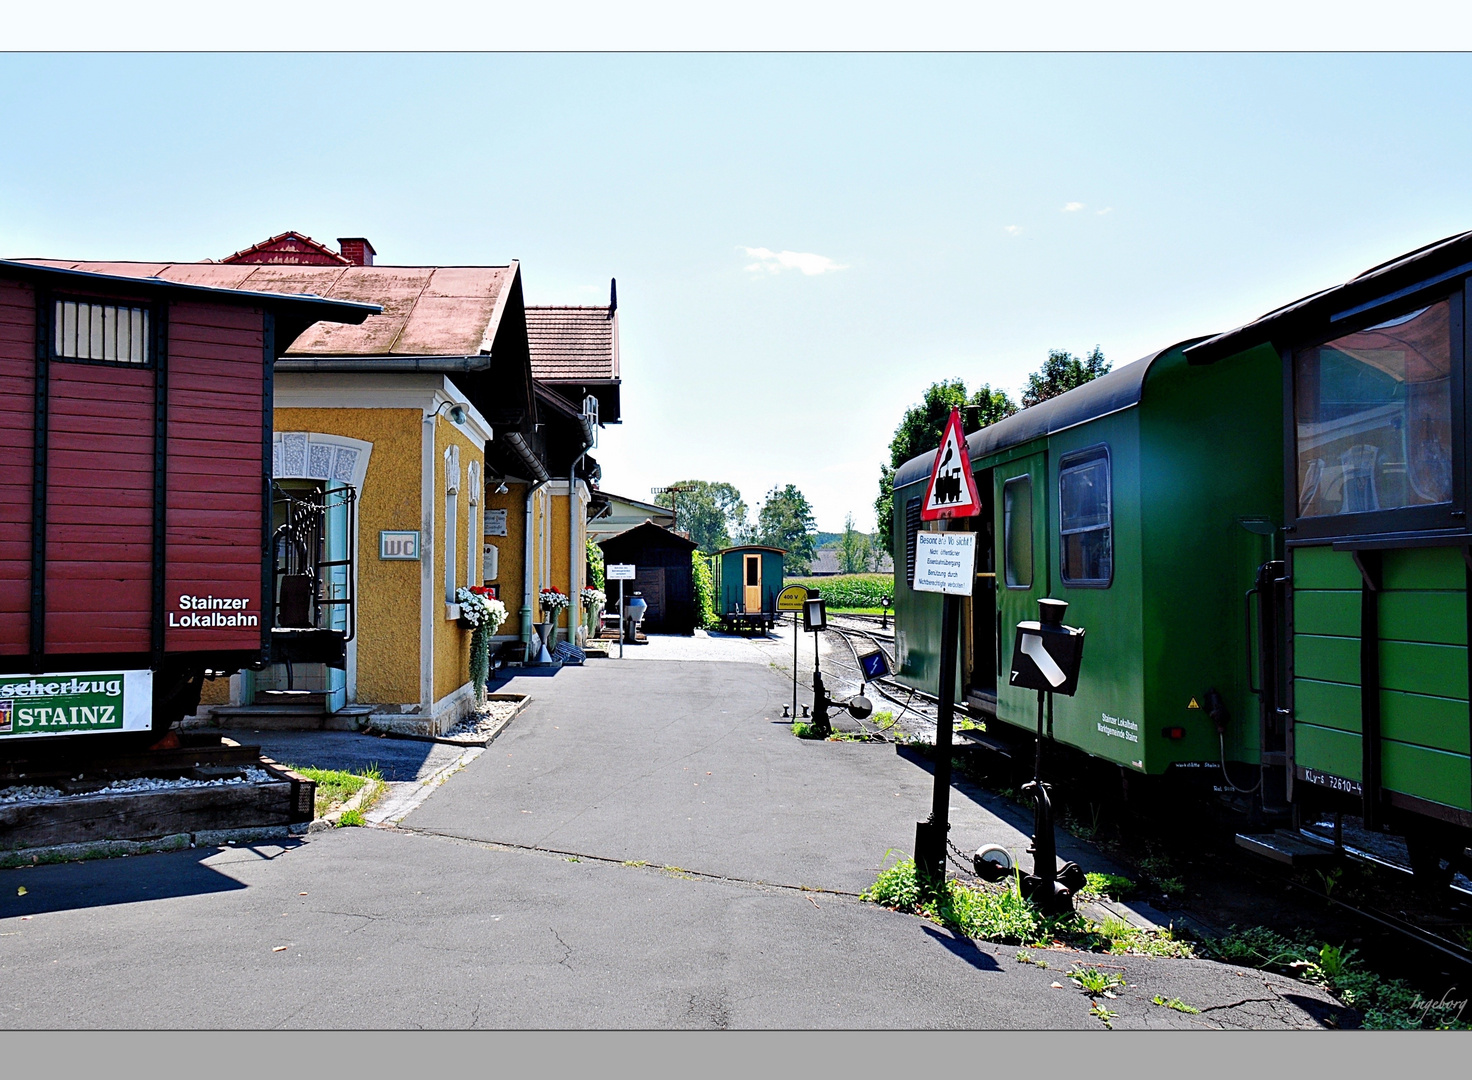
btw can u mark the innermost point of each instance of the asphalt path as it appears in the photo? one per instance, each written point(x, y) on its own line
point(646, 846)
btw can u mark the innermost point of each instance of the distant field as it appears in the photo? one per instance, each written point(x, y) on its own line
point(850, 592)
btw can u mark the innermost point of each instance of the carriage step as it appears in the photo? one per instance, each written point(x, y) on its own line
point(1286, 847)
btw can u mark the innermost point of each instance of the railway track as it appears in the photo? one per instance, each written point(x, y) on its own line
point(862, 631)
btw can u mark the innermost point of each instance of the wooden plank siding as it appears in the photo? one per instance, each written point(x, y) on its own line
point(216, 471)
point(17, 439)
point(1423, 671)
point(101, 476)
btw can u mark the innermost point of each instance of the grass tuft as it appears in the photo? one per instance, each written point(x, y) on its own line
point(1175, 1003)
point(350, 819)
point(1384, 1004)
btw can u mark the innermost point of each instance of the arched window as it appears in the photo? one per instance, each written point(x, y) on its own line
point(452, 512)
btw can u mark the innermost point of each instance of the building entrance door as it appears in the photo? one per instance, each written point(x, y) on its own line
point(752, 600)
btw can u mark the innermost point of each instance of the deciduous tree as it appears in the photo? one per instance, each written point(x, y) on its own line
point(786, 521)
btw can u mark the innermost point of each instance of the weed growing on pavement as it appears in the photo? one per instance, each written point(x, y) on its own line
point(1103, 1015)
point(1175, 1003)
point(1385, 1004)
point(351, 819)
point(1108, 886)
point(1025, 957)
point(999, 913)
point(637, 864)
point(1092, 981)
point(803, 730)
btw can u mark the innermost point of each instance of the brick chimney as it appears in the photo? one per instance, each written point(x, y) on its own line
point(356, 250)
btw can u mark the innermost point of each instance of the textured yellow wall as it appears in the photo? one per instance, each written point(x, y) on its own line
point(388, 592)
point(512, 549)
point(215, 692)
point(451, 642)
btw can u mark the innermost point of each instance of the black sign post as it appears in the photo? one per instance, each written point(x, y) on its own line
point(1046, 657)
point(945, 562)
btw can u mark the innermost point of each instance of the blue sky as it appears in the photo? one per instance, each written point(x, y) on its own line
point(940, 215)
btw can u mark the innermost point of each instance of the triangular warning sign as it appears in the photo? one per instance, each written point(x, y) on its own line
point(1193, 704)
point(952, 490)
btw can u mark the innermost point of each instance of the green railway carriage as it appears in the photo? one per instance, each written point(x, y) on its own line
point(748, 578)
point(1147, 499)
point(1371, 601)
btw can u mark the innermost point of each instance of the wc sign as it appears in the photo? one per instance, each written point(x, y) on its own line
point(399, 544)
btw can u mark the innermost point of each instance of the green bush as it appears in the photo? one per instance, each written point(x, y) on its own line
point(850, 590)
point(595, 565)
point(705, 591)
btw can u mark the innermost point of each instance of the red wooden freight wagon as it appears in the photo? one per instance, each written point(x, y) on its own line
point(135, 494)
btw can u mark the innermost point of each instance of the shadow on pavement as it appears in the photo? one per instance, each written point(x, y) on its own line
point(965, 948)
point(398, 759)
point(107, 882)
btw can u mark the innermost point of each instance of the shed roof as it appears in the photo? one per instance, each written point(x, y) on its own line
point(649, 535)
point(573, 344)
point(752, 547)
point(1309, 315)
point(427, 310)
point(293, 312)
point(1110, 393)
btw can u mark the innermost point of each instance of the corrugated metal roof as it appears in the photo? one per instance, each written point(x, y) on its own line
point(573, 344)
point(1316, 312)
point(1110, 393)
point(427, 310)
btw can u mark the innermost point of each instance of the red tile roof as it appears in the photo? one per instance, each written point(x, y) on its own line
point(427, 310)
point(573, 344)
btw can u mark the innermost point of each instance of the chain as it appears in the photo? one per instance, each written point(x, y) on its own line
point(960, 858)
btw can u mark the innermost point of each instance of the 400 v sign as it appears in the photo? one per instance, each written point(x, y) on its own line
point(75, 703)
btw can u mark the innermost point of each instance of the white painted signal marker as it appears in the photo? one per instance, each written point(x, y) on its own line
point(1034, 649)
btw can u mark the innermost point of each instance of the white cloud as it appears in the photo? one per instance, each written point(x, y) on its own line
point(1106, 210)
point(1069, 208)
point(774, 262)
point(1011, 230)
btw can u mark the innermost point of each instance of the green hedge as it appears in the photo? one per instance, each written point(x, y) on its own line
point(850, 590)
point(705, 590)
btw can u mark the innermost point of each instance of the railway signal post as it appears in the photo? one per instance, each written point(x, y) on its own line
point(945, 562)
point(1046, 657)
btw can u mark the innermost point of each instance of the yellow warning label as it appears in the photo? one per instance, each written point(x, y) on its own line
point(1193, 704)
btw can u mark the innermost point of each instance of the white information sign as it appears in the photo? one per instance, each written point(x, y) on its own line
point(945, 562)
point(495, 522)
point(619, 572)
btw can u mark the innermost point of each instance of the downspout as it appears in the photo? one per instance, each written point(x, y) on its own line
point(526, 575)
point(574, 600)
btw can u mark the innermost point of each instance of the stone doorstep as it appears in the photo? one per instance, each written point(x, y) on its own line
point(113, 849)
point(481, 738)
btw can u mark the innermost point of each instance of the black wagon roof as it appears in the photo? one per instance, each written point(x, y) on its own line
point(752, 547)
point(1111, 393)
point(1309, 315)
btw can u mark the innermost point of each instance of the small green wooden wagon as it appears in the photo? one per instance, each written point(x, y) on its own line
point(748, 578)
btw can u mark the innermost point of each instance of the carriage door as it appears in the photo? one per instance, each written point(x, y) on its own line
point(981, 622)
point(752, 577)
point(1021, 530)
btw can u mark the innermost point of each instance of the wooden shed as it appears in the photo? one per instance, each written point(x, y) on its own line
point(663, 575)
point(748, 578)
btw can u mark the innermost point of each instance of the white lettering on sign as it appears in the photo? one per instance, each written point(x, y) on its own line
point(210, 612)
point(619, 572)
point(945, 562)
point(1117, 728)
point(398, 544)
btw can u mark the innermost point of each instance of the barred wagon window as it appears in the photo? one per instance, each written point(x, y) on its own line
point(1085, 517)
point(117, 333)
point(912, 526)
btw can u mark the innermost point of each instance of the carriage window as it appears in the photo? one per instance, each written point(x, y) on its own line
point(1017, 531)
point(110, 332)
point(1374, 417)
point(1086, 543)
